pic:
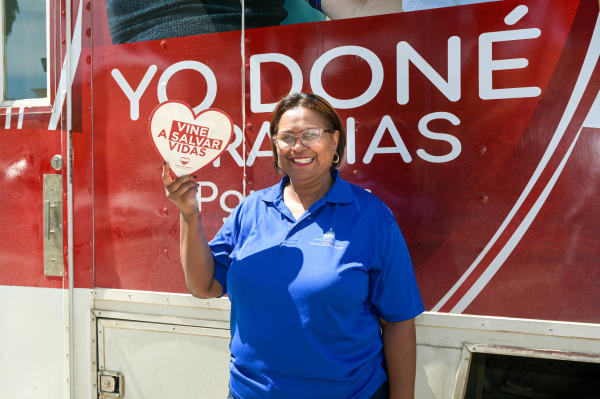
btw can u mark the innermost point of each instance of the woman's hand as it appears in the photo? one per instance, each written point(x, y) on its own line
point(182, 192)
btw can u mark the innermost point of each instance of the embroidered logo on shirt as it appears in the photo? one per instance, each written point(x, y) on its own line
point(328, 240)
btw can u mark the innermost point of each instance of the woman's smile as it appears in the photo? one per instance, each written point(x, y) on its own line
point(303, 161)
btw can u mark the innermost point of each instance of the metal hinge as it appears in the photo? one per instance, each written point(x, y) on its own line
point(111, 384)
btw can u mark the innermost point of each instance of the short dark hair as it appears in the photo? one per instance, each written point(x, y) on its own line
point(317, 104)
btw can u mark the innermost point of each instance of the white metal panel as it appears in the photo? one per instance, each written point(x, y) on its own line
point(31, 343)
point(165, 361)
point(441, 337)
point(436, 371)
point(82, 303)
point(162, 304)
point(447, 341)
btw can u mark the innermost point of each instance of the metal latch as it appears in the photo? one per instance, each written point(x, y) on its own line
point(111, 384)
point(53, 226)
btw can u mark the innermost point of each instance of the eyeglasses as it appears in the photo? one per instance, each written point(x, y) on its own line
point(309, 138)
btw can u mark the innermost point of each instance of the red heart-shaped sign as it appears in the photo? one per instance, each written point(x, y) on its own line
point(186, 141)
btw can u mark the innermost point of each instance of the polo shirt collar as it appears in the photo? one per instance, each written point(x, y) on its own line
point(340, 192)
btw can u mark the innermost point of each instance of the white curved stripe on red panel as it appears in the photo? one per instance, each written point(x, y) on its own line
point(583, 79)
point(498, 261)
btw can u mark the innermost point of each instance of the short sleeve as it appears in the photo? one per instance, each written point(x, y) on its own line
point(394, 290)
point(222, 246)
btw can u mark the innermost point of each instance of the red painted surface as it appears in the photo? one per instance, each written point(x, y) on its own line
point(137, 228)
point(24, 161)
point(126, 228)
point(447, 211)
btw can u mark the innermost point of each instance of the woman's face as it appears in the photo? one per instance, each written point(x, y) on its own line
point(305, 164)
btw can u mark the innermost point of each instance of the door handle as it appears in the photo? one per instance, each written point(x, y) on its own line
point(47, 219)
point(52, 219)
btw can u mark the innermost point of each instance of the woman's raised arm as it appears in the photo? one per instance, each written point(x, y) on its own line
point(196, 257)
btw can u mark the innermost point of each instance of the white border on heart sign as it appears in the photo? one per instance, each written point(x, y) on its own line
point(186, 141)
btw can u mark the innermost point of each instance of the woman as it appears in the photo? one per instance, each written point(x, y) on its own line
point(318, 274)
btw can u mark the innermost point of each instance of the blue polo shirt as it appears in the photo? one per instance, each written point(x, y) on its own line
point(305, 294)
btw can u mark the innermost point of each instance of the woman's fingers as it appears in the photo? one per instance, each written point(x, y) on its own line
point(183, 187)
point(166, 176)
point(174, 185)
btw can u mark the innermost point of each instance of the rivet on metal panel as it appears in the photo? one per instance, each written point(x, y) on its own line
point(481, 323)
point(474, 349)
point(165, 251)
point(89, 110)
point(94, 385)
point(88, 84)
point(165, 210)
point(482, 149)
point(88, 6)
point(99, 313)
point(64, 41)
point(90, 190)
point(173, 328)
point(93, 361)
point(163, 44)
point(550, 329)
point(93, 319)
point(63, 12)
point(484, 198)
point(129, 296)
point(88, 59)
point(466, 358)
point(88, 32)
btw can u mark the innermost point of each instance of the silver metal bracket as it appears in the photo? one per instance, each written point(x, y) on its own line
point(53, 226)
point(111, 384)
